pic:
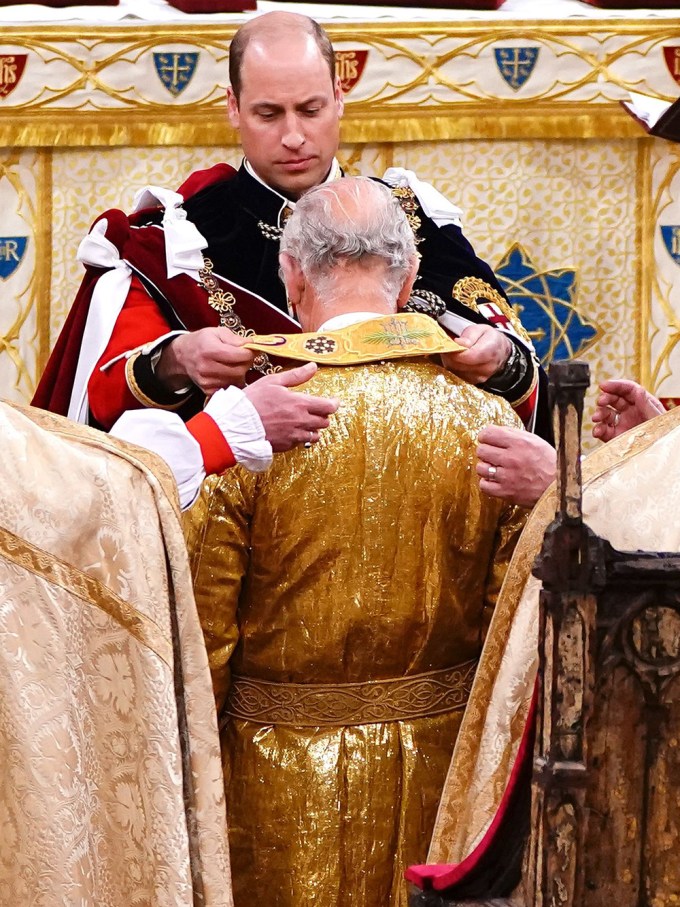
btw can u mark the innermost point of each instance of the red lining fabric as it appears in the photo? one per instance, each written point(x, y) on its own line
point(443, 876)
point(145, 250)
point(526, 410)
point(139, 322)
point(217, 454)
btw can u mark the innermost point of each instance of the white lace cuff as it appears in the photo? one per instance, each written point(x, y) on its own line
point(241, 425)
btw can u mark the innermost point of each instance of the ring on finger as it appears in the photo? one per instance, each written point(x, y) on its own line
point(492, 474)
point(308, 443)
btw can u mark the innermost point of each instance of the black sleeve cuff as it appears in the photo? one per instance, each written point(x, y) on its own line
point(146, 387)
point(516, 378)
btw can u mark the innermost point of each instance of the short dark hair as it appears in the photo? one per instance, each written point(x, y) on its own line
point(243, 37)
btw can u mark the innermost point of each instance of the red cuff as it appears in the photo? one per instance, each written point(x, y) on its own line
point(217, 455)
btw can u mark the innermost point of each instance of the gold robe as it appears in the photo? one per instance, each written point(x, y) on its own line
point(371, 556)
point(110, 785)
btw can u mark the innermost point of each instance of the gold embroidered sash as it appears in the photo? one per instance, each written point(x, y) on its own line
point(382, 337)
point(345, 704)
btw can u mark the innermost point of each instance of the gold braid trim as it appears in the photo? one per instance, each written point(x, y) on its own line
point(52, 570)
point(139, 394)
point(346, 704)
point(469, 290)
point(525, 396)
point(409, 205)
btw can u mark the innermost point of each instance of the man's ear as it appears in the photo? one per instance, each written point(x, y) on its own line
point(405, 291)
point(339, 97)
point(232, 108)
point(293, 278)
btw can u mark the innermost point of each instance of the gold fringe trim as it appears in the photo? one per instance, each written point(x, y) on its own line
point(645, 266)
point(50, 568)
point(43, 260)
point(222, 32)
point(168, 126)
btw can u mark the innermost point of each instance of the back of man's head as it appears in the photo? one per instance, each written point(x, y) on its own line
point(350, 227)
point(277, 27)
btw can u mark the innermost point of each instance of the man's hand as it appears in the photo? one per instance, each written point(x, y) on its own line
point(522, 465)
point(622, 405)
point(488, 349)
point(290, 418)
point(211, 358)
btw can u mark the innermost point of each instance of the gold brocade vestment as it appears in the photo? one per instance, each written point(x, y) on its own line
point(371, 556)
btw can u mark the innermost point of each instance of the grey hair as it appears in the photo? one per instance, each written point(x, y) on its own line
point(324, 232)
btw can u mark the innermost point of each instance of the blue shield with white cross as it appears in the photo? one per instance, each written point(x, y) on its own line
point(175, 70)
point(516, 64)
point(12, 251)
point(671, 239)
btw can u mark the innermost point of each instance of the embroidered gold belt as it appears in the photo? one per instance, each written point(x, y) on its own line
point(333, 705)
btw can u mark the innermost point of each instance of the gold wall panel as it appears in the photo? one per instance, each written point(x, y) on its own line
point(663, 335)
point(25, 223)
point(428, 80)
point(571, 204)
point(87, 182)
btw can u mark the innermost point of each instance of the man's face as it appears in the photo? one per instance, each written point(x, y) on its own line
point(288, 114)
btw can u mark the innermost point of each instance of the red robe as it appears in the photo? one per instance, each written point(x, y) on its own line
point(155, 305)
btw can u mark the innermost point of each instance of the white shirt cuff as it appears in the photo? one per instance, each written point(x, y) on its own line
point(239, 422)
point(165, 434)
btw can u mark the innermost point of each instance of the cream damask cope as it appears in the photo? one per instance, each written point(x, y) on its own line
point(333, 580)
point(111, 789)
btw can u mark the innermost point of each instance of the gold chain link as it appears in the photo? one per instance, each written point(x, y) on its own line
point(223, 303)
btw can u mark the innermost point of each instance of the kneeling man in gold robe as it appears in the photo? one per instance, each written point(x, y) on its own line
point(344, 594)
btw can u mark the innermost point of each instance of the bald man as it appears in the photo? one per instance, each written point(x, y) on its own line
point(165, 339)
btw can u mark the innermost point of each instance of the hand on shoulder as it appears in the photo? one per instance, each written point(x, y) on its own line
point(290, 418)
point(514, 465)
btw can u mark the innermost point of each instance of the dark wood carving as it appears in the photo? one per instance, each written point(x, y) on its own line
point(572, 571)
point(605, 786)
point(432, 899)
point(605, 824)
